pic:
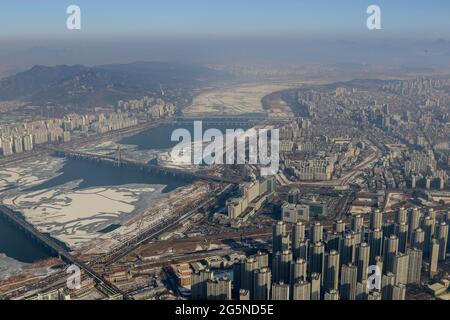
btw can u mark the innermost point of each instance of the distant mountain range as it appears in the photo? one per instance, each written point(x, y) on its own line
point(102, 85)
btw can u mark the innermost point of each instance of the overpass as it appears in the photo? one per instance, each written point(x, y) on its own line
point(58, 249)
point(151, 168)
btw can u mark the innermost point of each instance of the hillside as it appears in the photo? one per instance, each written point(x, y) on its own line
point(102, 85)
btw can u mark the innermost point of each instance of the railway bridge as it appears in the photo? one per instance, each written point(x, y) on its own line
point(147, 167)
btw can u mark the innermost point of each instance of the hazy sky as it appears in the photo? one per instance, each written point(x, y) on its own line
point(404, 18)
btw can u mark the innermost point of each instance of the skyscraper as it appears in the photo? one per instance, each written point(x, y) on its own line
point(316, 232)
point(401, 216)
point(400, 268)
point(415, 265)
point(299, 270)
point(376, 220)
point(376, 244)
point(387, 286)
point(418, 239)
point(280, 291)
point(339, 226)
point(297, 238)
point(332, 271)
point(333, 240)
point(262, 282)
point(399, 292)
point(218, 289)
point(434, 257)
point(303, 250)
point(388, 228)
point(349, 274)
point(357, 223)
point(316, 286)
point(276, 267)
point(247, 278)
point(428, 228)
point(279, 231)
point(363, 261)
point(390, 251)
point(357, 226)
point(432, 214)
point(401, 231)
point(362, 291)
point(238, 272)
point(198, 284)
point(348, 254)
point(317, 258)
point(442, 237)
point(301, 291)
point(331, 295)
point(262, 260)
point(413, 222)
point(285, 267)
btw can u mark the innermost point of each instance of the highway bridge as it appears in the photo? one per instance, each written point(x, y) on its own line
point(105, 285)
point(151, 168)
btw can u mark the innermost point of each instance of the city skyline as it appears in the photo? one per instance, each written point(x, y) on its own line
point(225, 151)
